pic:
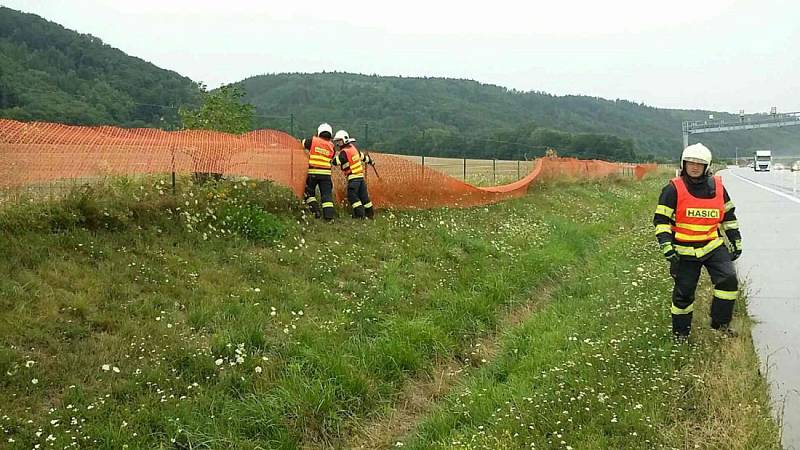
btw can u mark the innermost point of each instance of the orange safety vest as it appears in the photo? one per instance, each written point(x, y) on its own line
point(698, 219)
point(320, 156)
point(354, 166)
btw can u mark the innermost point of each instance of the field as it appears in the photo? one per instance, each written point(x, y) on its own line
point(479, 172)
point(224, 317)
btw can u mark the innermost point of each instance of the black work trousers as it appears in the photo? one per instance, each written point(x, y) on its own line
point(358, 197)
point(686, 273)
point(325, 185)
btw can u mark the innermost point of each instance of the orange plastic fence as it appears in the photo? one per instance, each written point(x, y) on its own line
point(37, 152)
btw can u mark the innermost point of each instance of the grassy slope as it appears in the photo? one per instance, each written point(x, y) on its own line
point(596, 370)
point(140, 332)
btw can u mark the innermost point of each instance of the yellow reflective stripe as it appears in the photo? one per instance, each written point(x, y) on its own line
point(695, 227)
point(737, 245)
point(357, 204)
point(319, 157)
point(695, 238)
point(368, 205)
point(728, 206)
point(356, 166)
point(698, 252)
point(663, 228)
point(725, 295)
point(665, 211)
point(355, 176)
point(311, 199)
point(730, 225)
point(687, 310)
point(327, 204)
point(319, 171)
point(666, 247)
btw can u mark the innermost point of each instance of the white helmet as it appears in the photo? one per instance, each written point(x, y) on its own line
point(324, 128)
point(697, 153)
point(342, 136)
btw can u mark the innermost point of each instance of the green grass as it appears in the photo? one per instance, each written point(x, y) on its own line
point(597, 369)
point(224, 318)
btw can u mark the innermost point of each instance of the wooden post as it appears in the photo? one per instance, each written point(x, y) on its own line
point(173, 170)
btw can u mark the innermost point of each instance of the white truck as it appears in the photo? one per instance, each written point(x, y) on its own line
point(762, 160)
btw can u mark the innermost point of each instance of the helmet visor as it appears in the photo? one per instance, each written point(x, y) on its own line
point(695, 160)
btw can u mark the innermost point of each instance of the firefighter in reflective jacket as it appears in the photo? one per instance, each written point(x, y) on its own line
point(352, 161)
point(694, 208)
point(320, 151)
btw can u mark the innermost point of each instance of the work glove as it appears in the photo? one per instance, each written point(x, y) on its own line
point(737, 250)
point(672, 256)
point(674, 260)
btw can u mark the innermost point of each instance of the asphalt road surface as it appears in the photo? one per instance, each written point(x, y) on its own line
point(768, 211)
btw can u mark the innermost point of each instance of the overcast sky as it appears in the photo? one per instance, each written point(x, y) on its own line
point(710, 54)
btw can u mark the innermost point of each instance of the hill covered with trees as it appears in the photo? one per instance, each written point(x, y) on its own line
point(462, 117)
point(51, 73)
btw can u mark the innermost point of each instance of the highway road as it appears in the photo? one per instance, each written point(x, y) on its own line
point(768, 210)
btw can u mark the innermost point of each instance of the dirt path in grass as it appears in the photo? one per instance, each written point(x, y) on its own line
point(420, 396)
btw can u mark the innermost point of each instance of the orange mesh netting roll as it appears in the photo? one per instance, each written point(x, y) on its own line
point(38, 152)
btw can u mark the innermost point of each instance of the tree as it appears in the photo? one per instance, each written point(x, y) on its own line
point(222, 110)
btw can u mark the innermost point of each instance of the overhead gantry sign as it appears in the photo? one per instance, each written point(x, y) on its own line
point(749, 122)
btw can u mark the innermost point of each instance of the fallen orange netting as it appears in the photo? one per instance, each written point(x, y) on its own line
point(37, 152)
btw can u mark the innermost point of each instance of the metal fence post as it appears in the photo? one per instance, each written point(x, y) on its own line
point(173, 170)
point(494, 171)
point(518, 173)
point(465, 170)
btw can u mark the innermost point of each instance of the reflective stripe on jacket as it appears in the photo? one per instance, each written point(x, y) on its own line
point(353, 167)
point(697, 219)
point(320, 156)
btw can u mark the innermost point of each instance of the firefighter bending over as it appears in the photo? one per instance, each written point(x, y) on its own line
point(352, 160)
point(692, 211)
point(320, 151)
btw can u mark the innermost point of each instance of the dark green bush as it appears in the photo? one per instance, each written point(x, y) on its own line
point(252, 222)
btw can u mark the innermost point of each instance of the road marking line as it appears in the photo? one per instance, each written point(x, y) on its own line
point(782, 194)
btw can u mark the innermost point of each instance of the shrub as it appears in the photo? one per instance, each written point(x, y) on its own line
point(252, 222)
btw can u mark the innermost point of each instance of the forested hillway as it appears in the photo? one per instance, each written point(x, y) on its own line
point(464, 118)
point(49, 73)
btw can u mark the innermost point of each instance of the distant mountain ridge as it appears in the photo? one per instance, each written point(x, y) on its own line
point(50, 73)
point(452, 116)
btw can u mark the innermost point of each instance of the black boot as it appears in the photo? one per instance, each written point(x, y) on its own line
point(681, 325)
point(313, 206)
point(724, 329)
